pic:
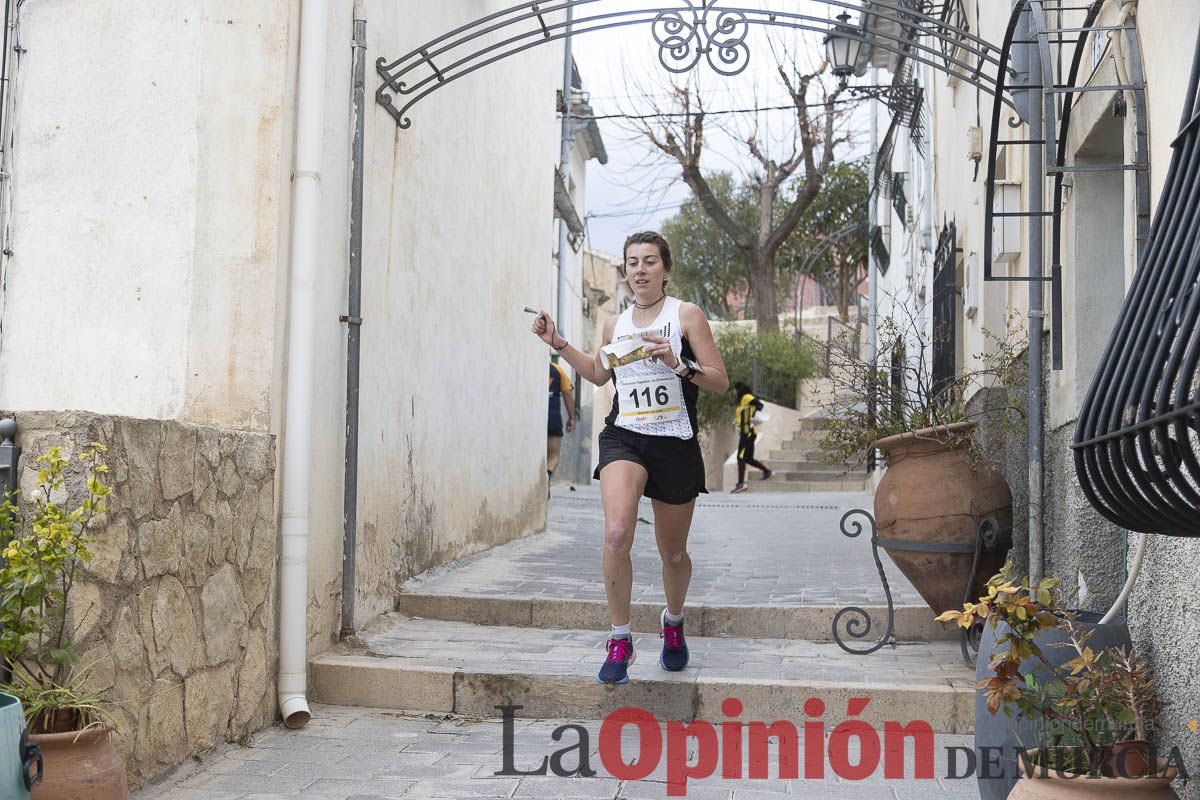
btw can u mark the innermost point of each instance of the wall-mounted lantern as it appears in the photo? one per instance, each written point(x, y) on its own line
point(843, 46)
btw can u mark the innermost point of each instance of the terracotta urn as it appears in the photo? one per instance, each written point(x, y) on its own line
point(933, 497)
point(80, 766)
point(1053, 786)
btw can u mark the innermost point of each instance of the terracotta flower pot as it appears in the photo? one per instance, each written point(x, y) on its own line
point(931, 496)
point(80, 766)
point(1000, 734)
point(1081, 787)
point(1127, 759)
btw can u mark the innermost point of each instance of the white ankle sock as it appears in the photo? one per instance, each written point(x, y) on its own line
point(620, 630)
point(674, 620)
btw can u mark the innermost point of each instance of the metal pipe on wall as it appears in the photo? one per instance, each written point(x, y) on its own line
point(1036, 315)
point(872, 269)
point(353, 320)
point(872, 215)
point(10, 461)
point(564, 169)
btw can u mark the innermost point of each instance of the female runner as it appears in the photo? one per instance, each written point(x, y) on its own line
point(649, 445)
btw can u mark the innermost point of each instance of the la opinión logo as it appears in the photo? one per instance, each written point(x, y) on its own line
point(723, 747)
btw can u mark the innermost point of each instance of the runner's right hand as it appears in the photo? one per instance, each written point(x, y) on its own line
point(544, 328)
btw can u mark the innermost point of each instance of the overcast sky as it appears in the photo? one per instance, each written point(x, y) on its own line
point(637, 189)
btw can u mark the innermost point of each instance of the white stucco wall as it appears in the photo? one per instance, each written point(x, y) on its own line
point(151, 222)
point(457, 241)
point(146, 190)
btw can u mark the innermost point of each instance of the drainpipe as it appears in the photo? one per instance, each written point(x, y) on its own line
point(353, 320)
point(872, 212)
point(297, 442)
point(872, 269)
point(1143, 542)
point(564, 169)
point(1036, 315)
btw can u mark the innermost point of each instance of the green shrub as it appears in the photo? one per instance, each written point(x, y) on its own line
point(783, 363)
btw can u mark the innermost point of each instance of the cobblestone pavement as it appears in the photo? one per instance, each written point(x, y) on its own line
point(783, 547)
point(368, 754)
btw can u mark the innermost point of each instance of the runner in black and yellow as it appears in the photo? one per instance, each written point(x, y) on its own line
point(649, 446)
point(747, 406)
point(560, 391)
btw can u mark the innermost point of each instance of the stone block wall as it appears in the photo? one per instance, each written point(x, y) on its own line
point(176, 612)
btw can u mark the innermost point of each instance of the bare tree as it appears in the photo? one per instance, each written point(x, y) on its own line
point(679, 133)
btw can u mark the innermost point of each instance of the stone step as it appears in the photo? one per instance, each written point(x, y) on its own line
point(459, 668)
point(813, 475)
point(792, 465)
point(806, 437)
point(810, 424)
point(849, 485)
point(810, 454)
point(913, 623)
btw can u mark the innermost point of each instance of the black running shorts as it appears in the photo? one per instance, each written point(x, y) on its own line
point(675, 465)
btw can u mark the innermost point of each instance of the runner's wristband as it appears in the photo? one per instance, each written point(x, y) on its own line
point(686, 368)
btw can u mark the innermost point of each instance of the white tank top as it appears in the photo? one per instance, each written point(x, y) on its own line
point(650, 397)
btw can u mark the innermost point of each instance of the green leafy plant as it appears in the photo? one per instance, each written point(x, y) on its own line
point(897, 393)
point(1092, 702)
point(782, 364)
point(44, 549)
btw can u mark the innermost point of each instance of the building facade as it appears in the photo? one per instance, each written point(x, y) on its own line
point(579, 296)
point(150, 303)
point(929, 208)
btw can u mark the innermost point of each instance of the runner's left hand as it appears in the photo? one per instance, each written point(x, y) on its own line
point(660, 348)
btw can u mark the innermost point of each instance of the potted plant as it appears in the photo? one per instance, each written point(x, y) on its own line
point(1085, 714)
point(44, 548)
point(940, 484)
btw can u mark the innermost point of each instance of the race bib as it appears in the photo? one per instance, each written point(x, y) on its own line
point(656, 398)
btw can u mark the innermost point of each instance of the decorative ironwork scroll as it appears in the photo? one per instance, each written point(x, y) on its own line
point(989, 538)
point(1137, 442)
point(858, 622)
point(686, 36)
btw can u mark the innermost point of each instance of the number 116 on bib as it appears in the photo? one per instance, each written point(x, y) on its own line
point(651, 400)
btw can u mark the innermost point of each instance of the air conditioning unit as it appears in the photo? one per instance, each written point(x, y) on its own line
point(1006, 230)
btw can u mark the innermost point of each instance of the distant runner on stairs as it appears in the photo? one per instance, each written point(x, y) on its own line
point(748, 406)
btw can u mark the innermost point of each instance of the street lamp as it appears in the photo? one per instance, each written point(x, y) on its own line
point(842, 47)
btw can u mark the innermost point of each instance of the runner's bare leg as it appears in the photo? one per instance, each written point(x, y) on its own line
point(671, 526)
point(621, 486)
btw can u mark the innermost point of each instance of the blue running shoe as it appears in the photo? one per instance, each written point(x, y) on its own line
point(616, 666)
point(674, 655)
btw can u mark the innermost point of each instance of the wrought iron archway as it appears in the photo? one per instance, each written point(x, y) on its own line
point(1057, 93)
point(687, 32)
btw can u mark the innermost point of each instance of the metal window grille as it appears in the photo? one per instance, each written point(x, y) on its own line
point(944, 334)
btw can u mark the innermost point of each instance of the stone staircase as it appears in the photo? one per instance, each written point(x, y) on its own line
point(467, 668)
point(799, 468)
point(524, 625)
